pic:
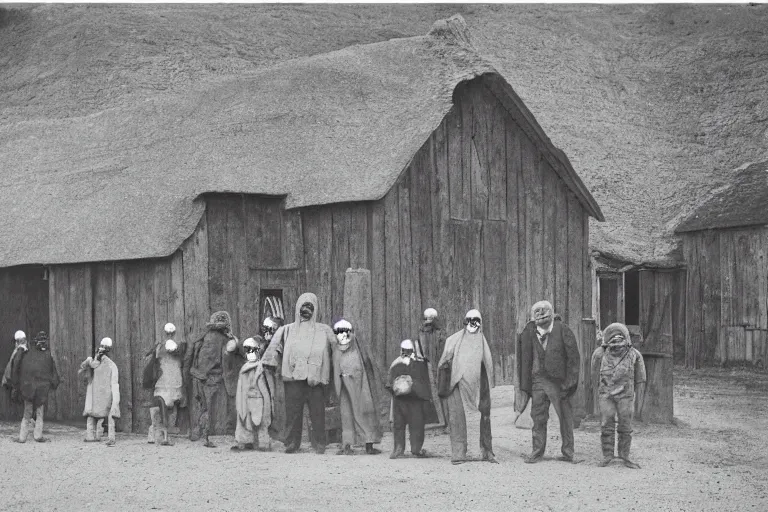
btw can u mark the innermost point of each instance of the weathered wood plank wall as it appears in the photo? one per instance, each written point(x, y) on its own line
point(23, 306)
point(726, 309)
point(476, 192)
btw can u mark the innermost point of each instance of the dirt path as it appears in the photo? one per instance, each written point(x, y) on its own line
point(715, 459)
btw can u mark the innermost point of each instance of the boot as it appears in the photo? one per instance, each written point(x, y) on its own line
point(38, 433)
point(345, 450)
point(625, 443)
point(23, 431)
point(152, 432)
point(99, 429)
point(370, 450)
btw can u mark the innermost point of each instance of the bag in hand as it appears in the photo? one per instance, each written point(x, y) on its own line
point(402, 385)
point(444, 381)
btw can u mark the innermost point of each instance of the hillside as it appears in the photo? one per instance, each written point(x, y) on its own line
point(656, 105)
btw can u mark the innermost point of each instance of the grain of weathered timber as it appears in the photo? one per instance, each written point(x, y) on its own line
point(534, 243)
point(358, 238)
point(421, 230)
point(148, 336)
point(176, 298)
point(549, 205)
point(325, 252)
point(122, 348)
point(657, 406)
point(409, 270)
point(103, 301)
point(512, 277)
point(161, 293)
point(395, 331)
point(379, 338)
point(574, 260)
point(561, 249)
point(236, 263)
point(340, 234)
point(72, 340)
point(495, 151)
point(678, 317)
point(263, 232)
point(710, 289)
point(762, 278)
point(697, 317)
point(467, 237)
point(196, 288)
point(495, 296)
point(585, 345)
point(218, 255)
point(467, 108)
point(458, 196)
point(441, 232)
point(310, 234)
point(516, 221)
point(479, 173)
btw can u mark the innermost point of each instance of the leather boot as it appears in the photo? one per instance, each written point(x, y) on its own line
point(370, 450)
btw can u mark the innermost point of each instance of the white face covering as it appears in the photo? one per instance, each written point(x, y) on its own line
point(251, 356)
point(472, 329)
point(344, 341)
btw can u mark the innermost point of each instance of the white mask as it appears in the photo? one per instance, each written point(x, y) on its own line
point(251, 356)
point(343, 338)
point(472, 329)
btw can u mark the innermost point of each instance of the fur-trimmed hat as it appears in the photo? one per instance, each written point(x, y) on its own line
point(220, 321)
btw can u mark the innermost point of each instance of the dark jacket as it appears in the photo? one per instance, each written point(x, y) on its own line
point(418, 372)
point(34, 375)
point(561, 358)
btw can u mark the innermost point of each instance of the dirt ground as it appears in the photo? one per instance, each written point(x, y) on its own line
point(714, 458)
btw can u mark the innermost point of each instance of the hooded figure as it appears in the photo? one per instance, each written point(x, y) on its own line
point(619, 370)
point(469, 357)
point(355, 383)
point(163, 375)
point(102, 396)
point(204, 365)
point(253, 401)
point(34, 375)
point(302, 349)
point(431, 344)
point(548, 365)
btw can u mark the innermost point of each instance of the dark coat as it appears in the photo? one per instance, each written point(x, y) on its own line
point(561, 358)
point(34, 375)
point(418, 372)
point(230, 368)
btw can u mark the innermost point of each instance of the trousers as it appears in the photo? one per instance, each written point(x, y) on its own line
point(92, 433)
point(545, 392)
point(408, 411)
point(298, 393)
point(39, 413)
point(610, 409)
point(457, 422)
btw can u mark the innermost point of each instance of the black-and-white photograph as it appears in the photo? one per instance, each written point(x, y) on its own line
point(384, 257)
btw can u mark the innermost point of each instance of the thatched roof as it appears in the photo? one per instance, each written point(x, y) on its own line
point(124, 183)
point(742, 203)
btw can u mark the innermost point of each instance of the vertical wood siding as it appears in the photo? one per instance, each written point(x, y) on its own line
point(726, 307)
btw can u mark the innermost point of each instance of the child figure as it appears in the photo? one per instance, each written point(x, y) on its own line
point(408, 381)
point(253, 401)
point(620, 371)
point(102, 398)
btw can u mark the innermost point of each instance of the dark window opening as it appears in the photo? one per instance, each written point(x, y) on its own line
point(609, 290)
point(632, 297)
point(271, 304)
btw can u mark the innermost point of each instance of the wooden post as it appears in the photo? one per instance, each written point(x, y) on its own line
point(584, 401)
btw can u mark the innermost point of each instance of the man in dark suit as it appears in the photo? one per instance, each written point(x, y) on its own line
point(548, 371)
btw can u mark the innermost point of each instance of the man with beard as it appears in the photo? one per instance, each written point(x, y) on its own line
point(204, 364)
point(471, 368)
point(619, 370)
point(431, 344)
point(34, 375)
point(165, 379)
point(548, 371)
point(102, 396)
point(302, 349)
point(355, 383)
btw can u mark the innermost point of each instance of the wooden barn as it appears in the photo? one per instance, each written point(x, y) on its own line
point(650, 300)
point(413, 159)
point(725, 245)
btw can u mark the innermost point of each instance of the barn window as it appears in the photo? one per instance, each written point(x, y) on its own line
point(271, 304)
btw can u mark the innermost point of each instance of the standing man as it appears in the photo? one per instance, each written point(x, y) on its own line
point(355, 383)
point(468, 356)
point(102, 396)
point(34, 375)
point(548, 371)
point(619, 370)
point(431, 344)
point(204, 365)
point(303, 350)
